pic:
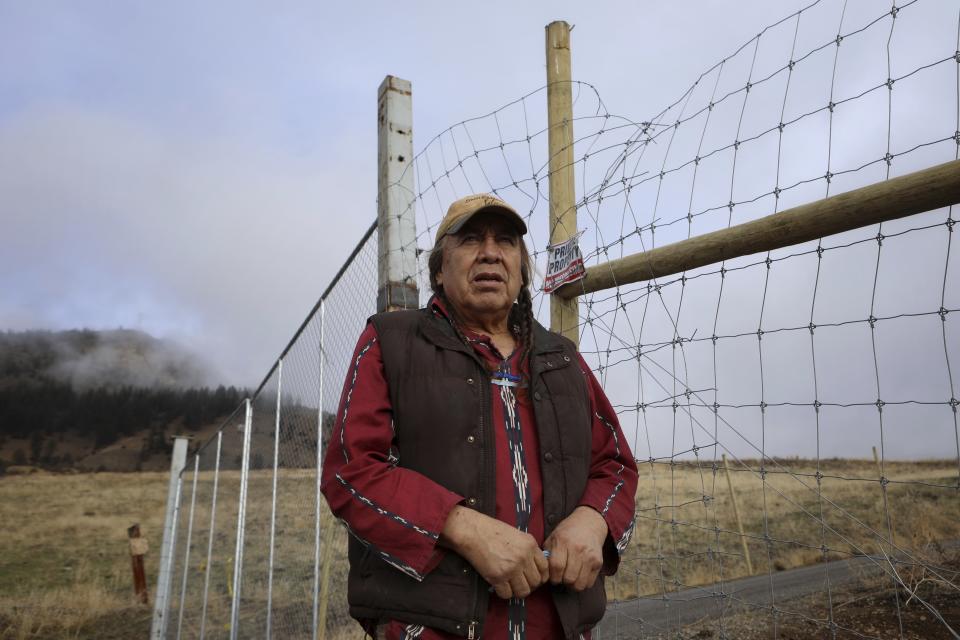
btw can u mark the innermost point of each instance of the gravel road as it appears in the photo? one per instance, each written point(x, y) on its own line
point(649, 617)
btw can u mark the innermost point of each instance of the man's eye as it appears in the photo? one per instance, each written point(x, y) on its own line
point(469, 237)
point(507, 239)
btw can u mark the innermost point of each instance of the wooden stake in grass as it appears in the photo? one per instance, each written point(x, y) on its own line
point(736, 513)
point(138, 548)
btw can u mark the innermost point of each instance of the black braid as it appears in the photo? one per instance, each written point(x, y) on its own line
point(521, 322)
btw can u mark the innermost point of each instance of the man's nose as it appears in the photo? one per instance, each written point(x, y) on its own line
point(489, 249)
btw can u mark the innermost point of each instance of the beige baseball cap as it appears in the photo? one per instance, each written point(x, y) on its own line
point(465, 208)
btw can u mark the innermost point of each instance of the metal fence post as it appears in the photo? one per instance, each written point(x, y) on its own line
point(564, 313)
point(177, 462)
point(213, 522)
point(396, 198)
point(273, 502)
point(241, 520)
point(316, 530)
point(186, 554)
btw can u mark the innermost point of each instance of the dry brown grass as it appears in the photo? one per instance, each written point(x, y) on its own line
point(64, 563)
point(683, 540)
point(65, 568)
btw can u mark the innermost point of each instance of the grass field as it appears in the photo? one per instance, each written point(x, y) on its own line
point(687, 534)
point(64, 561)
point(65, 567)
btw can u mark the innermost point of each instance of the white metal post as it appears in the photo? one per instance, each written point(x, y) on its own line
point(316, 524)
point(177, 462)
point(396, 198)
point(213, 523)
point(273, 502)
point(186, 554)
point(241, 522)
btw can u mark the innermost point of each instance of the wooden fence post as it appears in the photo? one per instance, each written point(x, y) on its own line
point(396, 198)
point(564, 312)
point(138, 548)
point(736, 513)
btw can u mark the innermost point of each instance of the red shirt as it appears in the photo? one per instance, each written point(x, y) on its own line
point(401, 512)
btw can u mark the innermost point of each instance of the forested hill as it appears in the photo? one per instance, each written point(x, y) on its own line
point(67, 396)
point(87, 359)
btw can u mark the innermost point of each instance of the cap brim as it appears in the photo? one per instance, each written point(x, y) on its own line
point(510, 214)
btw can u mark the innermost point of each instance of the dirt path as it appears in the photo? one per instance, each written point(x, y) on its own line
point(649, 617)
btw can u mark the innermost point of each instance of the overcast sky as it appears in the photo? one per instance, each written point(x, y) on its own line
point(201, 170)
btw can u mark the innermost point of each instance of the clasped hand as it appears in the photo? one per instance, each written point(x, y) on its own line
point(512, 561)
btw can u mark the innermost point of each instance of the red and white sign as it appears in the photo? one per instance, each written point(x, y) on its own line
point(564, 264)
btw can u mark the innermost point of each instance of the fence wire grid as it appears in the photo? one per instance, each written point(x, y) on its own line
point(793, 413)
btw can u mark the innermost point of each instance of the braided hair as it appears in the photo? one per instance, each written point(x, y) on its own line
point(520, 320)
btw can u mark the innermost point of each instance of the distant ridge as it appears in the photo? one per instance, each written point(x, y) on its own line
point(102, 400)
point(85, 358)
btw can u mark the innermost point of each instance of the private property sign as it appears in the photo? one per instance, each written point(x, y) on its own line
point(564, 264)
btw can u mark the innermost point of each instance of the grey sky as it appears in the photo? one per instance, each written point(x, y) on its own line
point(200, 171)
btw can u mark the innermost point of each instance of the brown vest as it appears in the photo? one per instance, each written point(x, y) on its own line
point(440, 393)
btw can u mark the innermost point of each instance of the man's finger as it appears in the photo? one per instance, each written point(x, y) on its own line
point(586, 579)
point(557, 563)
point(572, 570)
point(503, 590)
point(543, 565)
point(520, 586)
point(531, 569)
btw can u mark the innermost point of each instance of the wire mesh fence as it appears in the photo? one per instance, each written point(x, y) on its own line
point(257, 553)
point(811, 384)
point(794, 413)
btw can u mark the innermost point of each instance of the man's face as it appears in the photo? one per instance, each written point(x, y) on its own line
point(480, 273)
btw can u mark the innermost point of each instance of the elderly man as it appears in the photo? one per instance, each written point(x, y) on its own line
point(475, 459)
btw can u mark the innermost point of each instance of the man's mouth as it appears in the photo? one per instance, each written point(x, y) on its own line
point(487, 277)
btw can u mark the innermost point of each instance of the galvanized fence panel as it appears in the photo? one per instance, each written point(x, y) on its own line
point(257, 552)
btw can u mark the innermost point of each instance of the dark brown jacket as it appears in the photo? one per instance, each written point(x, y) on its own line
point(440, 393)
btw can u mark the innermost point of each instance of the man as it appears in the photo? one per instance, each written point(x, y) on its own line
point(475, 459)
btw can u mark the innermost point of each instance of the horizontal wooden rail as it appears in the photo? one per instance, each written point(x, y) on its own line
point(907, 195)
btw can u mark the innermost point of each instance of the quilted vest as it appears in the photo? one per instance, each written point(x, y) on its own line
point(441, 397)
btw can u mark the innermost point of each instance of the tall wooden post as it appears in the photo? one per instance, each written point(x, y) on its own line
point(564, 313)
point(396, 221)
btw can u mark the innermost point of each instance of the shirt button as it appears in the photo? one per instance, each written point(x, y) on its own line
point(566, 358)
point(469, 380)
point(536, 396)
point(472, 502)
point(471, 439)
point(552, 518)
point(548, 456)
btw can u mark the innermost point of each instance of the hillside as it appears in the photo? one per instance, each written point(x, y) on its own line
point(102, 399)
point(87, 359)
